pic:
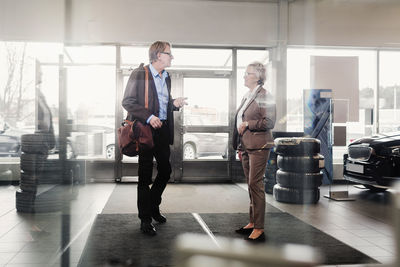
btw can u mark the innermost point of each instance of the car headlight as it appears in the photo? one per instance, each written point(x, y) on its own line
point(396, 151)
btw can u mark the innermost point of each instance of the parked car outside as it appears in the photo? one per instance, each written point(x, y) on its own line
point(10, 140)
point(93, 140)
point(197, 145)
point(373, 161)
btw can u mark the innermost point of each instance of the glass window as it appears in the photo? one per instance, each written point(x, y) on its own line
point(389, 91)
point(132, 56)
point(184, 58)
point(89, 54)
point(207, 101)
point(91, 107)
point(205, 146)
point(20, 76)
point(299, 78)
point(91, 100)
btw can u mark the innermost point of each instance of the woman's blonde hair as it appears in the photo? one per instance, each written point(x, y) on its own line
point(260, 71)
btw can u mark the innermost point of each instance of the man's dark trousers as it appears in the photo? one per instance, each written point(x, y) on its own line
point(149, 198)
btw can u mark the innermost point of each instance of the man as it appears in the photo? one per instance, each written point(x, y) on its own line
point(159, 115)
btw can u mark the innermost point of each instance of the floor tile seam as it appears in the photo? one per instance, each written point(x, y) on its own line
point(20, 222)
point(357, 232)
point(12, 258)
point(358, 212)
point(16, 254)
point(391, 252)
point(356, 247)
point(361, 247)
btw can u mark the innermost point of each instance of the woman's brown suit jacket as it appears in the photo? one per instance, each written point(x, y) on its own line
point(260, 113)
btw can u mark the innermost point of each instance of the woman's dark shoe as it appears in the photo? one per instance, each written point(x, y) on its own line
point(259, 239)
point(244, 231)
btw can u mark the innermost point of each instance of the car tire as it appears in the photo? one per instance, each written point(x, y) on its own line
point(269, 187)
point(296, 195)
point(299, 163)
point(308, 180)
point(35, 163)
point(110, 151)
point(40, 178)
point(225, 155)
point(189, 151)
point(70, 151)
point(35, 143)
point(31, 202)
point(297, 146)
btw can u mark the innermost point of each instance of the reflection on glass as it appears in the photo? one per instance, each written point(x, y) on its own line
point(245, 57)
point(89, 54)
point(134, 55)
point(184, 58)
point(207, 101)
point(298, 79)
point(201, 58)
point(91, 100)
point(389, 92)
point(205, 146)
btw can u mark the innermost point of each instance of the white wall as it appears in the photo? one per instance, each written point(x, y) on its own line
point(373, 23)
point(179, 21)
point(32, 20)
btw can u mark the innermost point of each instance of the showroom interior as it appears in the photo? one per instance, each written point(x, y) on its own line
point(73, 59)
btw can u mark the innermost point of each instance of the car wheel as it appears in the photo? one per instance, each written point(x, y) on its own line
point(375, 189)
point(70, 151)
point(297, 146)
point(299, 180)
point(299, 164)
point(295, 195)
point(110, 151)
point(35, 143)
point(225, 155)
point(189, 151)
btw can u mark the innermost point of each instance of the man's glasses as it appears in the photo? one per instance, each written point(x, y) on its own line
point(167, 53)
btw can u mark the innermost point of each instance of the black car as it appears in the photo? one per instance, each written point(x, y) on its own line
point(373, 161)
point(10, 141)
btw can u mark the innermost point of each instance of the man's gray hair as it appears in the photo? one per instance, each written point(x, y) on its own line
point(155, 48)
point(260, 71)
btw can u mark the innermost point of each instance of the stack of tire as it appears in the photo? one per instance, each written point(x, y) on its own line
point(40, 176)
point(270, 173)
point(299, 172)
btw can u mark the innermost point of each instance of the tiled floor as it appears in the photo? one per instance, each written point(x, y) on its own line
point(34, 239)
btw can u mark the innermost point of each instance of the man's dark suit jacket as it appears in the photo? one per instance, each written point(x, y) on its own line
point(134, 101)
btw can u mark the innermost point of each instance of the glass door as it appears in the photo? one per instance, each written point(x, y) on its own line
point(202, 146)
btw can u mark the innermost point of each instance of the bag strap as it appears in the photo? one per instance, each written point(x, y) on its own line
point(146, 88)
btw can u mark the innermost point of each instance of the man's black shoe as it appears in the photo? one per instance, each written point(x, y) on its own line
point(148, 228)
point(159, 218)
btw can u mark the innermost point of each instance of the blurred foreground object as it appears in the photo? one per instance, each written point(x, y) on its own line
point(193, 250)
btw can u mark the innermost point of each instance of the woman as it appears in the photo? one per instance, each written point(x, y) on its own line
point(252, 136)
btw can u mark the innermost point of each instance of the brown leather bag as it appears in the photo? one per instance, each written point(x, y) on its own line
point(134, 136)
